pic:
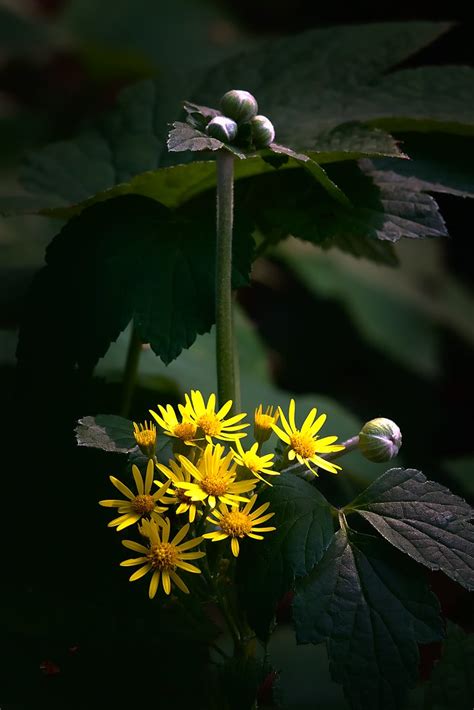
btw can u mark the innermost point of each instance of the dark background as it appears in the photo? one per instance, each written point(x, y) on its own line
point(72, 623)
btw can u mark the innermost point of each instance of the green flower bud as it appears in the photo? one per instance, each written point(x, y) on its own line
point(239, 105)
point(380, 440)
point(263, 132)
point(223, 128)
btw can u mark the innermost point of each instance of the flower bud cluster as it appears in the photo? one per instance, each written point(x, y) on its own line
point(240, 122)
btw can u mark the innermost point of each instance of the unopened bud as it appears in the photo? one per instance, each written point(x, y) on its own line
point(222, 128)
point(380, 440)
point(263, 132)
point(239, 105)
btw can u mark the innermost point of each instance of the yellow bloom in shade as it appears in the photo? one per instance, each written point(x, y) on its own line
point(263, 423)
point(304, 444)
point(254, 463)
point(185, 430)
point(145, 436)
point(138, 505)
point(214, 478)
point(212, 424)
point(162, 557)
point(177, 474)
point(239, 523)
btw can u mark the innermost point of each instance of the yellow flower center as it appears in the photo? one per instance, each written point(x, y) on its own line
point(235, 523)
point(251, 461)
point(214, 484)
point(303, 444)
point(181, 495)
point(210, 424)
point(185, 431)
point(264, 421)
point(145, 436)
point(143, 504)
point(163, 556)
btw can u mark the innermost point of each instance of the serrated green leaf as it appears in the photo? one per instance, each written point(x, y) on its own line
point(107, 432)
point(312, 83)
point(184, 137)
point(352, 141)
point(128, 259)
point(267, 569)
point(451, 684)
point(372, 606)
point(439, 163)
point(337, 72)
point(382, 207)
point(423, 519)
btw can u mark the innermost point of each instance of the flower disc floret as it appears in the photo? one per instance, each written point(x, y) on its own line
point(145, 436)
point(263, 423)
point(163, 556)
point(255, 464)
point(183, 429)
point(211, 424)
point(214, 478)
point(140, 504)
point(239, 523)
point(304, 444)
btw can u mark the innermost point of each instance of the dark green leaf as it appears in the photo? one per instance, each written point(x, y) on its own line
point(316, 81)
point(185, 137)
point(352, 141)
point(384, 208)
point(423, 519)
point(337, 70)
point(439, 163)
point(451, 684)
point(372, 606)
point(107, 432)
point(122, 260)
point(266, 570)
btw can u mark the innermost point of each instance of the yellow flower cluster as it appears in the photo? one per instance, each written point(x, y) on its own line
point(214, 484)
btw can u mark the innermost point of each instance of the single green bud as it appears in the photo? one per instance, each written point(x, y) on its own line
point(263, 132)
point(223, 128)
point(380, 440)
point(239, 105)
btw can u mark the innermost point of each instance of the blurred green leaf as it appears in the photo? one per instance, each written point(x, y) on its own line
point(372, 606)
point(422, 519)
point(304, 529)
point(451, 684)
point(398, 311)
point(462, 471)
point(20, 33)
point(177, 33)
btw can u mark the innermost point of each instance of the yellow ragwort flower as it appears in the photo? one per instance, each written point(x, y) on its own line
point(177, 474)
point(263, 423)
point(162, 557)
point(212, 424)
point(137, 505)
point(254, 463)
point(214, 478)
point(303, 443)
point(239, 523)
point(145, 436)
point(184, 430)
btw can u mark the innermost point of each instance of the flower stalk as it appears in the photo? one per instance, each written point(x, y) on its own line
point(225, 345)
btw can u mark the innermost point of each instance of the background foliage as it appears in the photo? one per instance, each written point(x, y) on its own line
point(408, 330)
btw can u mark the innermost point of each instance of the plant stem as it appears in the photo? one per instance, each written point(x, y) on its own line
point(226, 382)
point(130, 373)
